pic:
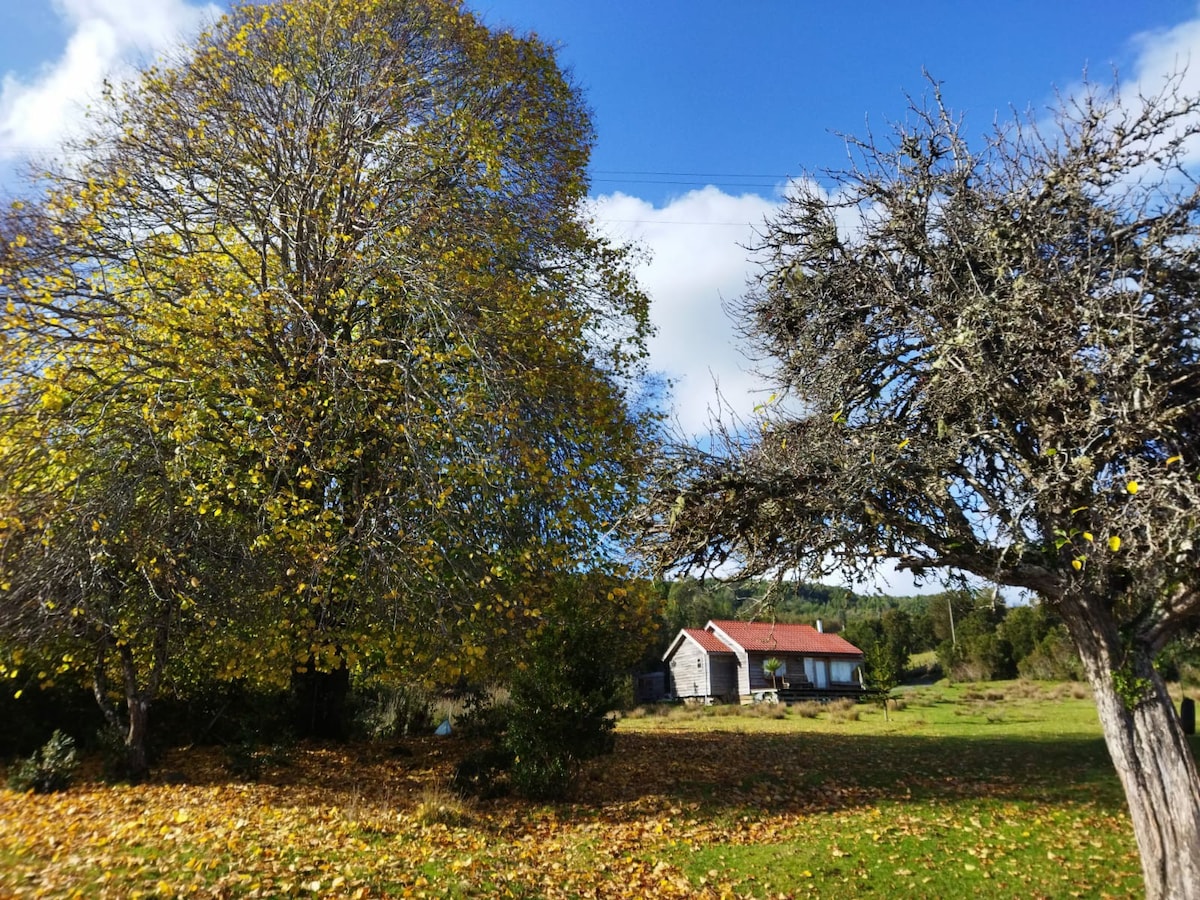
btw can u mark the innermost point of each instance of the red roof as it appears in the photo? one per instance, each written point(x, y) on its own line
point(707, 640)
point(779, 638)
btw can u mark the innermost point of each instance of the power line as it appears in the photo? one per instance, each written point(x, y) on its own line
point(712, 182)
point(675, 222)
point(628, 175)
point(641, 177)
point(745, 181)
point(688, 174)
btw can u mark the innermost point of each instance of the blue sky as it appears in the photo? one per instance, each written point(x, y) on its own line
point(703, 109)
point(762, 89)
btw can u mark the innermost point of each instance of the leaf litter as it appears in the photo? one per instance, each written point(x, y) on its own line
point(712, 815)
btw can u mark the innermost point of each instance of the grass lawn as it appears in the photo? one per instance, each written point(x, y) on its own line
point(999, 790)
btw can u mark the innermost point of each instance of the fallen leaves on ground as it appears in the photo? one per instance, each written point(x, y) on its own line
point(712, 815)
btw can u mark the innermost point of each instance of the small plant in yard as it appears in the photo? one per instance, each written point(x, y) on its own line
point(439, 805)
point(771, 667)
point(843, 710)
point(558, 714)
point(49, 769)
point(561, 705)
point(808, 709)
point(767, 710)
point(882, 674)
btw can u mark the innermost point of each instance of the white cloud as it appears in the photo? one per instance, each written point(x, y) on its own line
point(1162, 59)
point(1162, 53)
point(890, 580)
point(698, 261)
point(108, 38)
point(1170, 57)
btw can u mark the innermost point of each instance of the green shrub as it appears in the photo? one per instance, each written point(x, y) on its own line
point(485, 714)
point(570, 678)
point(562, 702)
point(558, 714)
point(49, 769)
point(1054, 659)
point(544, 773)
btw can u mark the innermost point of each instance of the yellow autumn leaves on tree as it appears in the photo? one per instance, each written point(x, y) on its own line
point(315, 327)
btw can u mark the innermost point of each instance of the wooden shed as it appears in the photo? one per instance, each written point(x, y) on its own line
point(701, 666)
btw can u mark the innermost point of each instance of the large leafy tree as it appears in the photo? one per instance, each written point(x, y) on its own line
point(991, 364)
point(333, 268)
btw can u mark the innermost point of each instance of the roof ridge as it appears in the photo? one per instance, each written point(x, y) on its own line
point(754, 623)
point(787, 637)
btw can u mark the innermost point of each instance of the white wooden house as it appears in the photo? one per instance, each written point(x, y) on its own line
point(725, 660)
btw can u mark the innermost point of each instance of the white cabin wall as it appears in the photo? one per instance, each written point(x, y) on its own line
point(689, 670)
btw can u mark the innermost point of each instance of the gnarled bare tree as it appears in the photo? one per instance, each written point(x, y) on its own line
point(994, 354)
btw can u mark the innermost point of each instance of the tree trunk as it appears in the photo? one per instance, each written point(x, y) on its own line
point(322, 709)
point(138, 701)
point(137, 756)
point(100, 685)
point(1149, 751)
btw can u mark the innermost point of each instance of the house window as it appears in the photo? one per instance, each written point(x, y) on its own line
point(842, 671)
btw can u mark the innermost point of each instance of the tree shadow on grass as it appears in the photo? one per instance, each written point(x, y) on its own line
point(724, 771)
point(829, 772)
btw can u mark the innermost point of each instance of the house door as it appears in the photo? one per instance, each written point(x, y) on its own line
point(822, 672)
